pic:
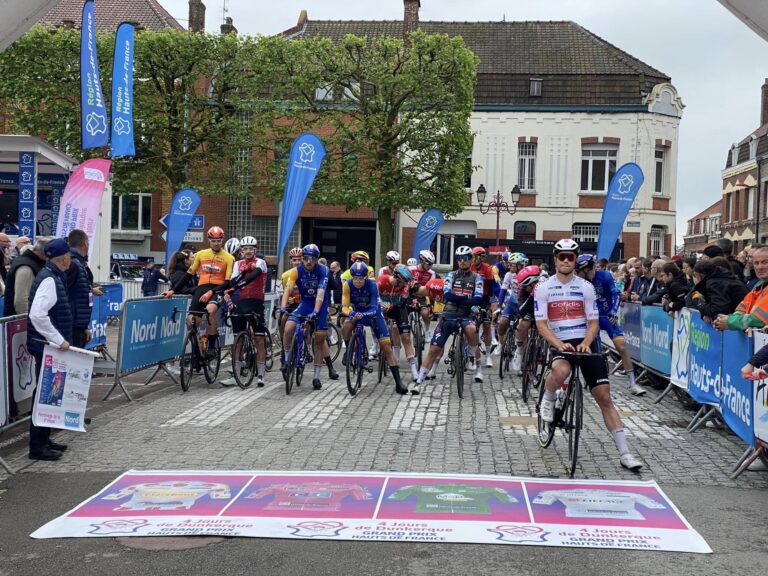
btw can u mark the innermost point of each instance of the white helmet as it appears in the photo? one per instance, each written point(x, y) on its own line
point(232, 245)
point(412, 262)
point(248, 241)
point(393, 256)
point(463, 251)
point(566, 245)
point(427, 256)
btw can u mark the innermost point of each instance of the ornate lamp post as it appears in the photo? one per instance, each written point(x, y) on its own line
point(498, 204)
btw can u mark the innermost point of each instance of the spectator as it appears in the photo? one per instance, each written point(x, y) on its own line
point(726, 246)
point(151, 278)
point(21, 241)
point(721, 262)
point(654, 291)
point(711, 251)
point(675, 288)
point(750, 277)
point(716, 291)
point(21, 275)
point(638, 281)
point(78, 284)
point(180, 262)
point(335, 283)
point(323, 261)
point(5, 256)
point(752, 311)
point(688, 263)
point(644, 279)
point(50, 319)
point(79, 243)
point(601, 264)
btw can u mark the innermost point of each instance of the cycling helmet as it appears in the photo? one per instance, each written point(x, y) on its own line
point(463, 251)
point(543, 276)
point(360, 255)
point(478, 251)
point(412, 262)
point(393, 256)
point(248, 241)
point(427, 256)
point(295, 253)
point(518, 258)
point(566, 245)
point(215, 233)
point(402, 273)
point(311, 250)
point(585, 262)
point(232, 245)
point(528, 275)
point(359, 270)
point(506, 256)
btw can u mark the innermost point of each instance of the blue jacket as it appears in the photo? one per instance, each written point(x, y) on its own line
point(60, 314)
point(79, 291)
point(151, 279)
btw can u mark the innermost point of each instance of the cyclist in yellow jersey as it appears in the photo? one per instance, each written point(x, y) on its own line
point(359, 256)
point(295, 298)
point(215, 267)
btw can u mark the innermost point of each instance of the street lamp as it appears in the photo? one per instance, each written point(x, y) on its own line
point(498, 204)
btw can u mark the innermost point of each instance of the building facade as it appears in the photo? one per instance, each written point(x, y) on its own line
point(703, 228)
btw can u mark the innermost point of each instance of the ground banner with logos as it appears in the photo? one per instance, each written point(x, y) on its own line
point(62, 389)
point(384, 507)
point(760, 395)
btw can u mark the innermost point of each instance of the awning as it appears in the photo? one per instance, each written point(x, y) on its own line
point(50, 160)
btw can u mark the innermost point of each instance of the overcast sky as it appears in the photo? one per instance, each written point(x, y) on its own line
point(712, 58)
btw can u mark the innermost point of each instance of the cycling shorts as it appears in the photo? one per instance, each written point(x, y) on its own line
point(196, 305)
point(593, 368)
point(447, 326)
point(249, 306)
point(377, 323)
point(305, 309)
point(511, 308)
point(613, 330)
point(399, 313)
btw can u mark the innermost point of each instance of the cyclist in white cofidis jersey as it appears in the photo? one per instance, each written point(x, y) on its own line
point(565, 308)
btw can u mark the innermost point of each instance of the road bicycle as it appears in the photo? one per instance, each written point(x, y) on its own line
point(243, 351)
point(507, 351)
point(534, 362)
point(357, 356)
point(417, 332)
point(299, 352)
point(457, 358)
point(568, 410)
point(196, 352)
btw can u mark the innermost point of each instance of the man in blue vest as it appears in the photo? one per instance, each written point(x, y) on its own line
point(50, 320)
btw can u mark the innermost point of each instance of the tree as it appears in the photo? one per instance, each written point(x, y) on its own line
point(395, 121)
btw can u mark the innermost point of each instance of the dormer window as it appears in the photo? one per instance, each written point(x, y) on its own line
point(753, 148)
point(535, 87)
point(734, 155)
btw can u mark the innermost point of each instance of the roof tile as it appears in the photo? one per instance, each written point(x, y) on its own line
point(110, 13)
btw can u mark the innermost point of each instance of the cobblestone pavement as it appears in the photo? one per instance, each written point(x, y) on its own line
point(490, 431)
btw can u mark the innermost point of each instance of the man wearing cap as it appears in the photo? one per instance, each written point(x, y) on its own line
point(152, 277)
point(711, 251)
point(21, 275)
point(50, 320)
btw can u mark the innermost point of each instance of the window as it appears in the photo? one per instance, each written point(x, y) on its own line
point(525, 230)
point(734, 155)
point(750, 197)
point(323, 94)
point(753, 148)
point(446, 245)
point(526, 176)
point(585, 232)
point(598, 165)
point(468, 172)
point(132, 212)
point(535, 87)
point(328, 94)
point(659, 185)
point(657, 240)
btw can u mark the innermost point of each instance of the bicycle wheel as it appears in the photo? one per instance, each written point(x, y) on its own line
point(334, 341)
point(573, 419)
point(383, 367)
point(212, 363)
point(243, 360)
point(529, 368)
point(269, 359)
point(354, 365)
point(546, 430)
point(460, 361)
point(187, 360)
point(417, 329)
point(290, 365)
point(450, 358)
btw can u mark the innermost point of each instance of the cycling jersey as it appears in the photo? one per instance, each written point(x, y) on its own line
point(214, 267)
point(489, 276)
point(436, 288)
point(384, 271)
point(462, 290)
point(389, 293)
point(365, 300)
point(311, 496)
point(509, 286)
point(421, 277)
point(453, 498)
point(566, 307)
point(608, 298)
point(293, 299)
point(308, 282)
point(587, 503)
point(170, 495)
point(253, 290)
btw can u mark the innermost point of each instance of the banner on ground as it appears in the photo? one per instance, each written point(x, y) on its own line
point(656, 345)
point(705, 348)
point(122, 93)
point(679, 369)
point(180, 215)
point(760, 395)
point(383, 507)
point(622, 191)
point(426, 230)
point(93, 110)
point(81, 204)
point(307, 153)
point(62, 389)
point(736, 394)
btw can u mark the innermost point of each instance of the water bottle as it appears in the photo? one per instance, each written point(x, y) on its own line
point(559, 398)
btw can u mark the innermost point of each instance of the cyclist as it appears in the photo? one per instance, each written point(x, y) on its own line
point(423, 274)
point(393, 261)
point(411, 262)
point(360, 301)
point(435, 291)
point(233, 247)
point(311, 278)
point(567, 316)
point(395, 290)
point(508, 303)
point(215, 267)
point(486, 272)
point(294, 298)
point(462, 293)
point(527, 279)
point(608, 302)
point(358, 256)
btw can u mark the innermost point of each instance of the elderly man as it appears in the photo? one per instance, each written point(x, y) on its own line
point(21, 275)
point(752, 312)
point(21, 242)
point(50, 320)
point(335, 282)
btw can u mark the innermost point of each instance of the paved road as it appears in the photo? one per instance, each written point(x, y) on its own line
point(490, 431)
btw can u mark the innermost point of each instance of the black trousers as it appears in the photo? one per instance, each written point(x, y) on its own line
point(39, 436)
point(78, 337)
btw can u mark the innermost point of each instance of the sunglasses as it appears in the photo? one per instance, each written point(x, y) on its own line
point(463, 258)
point(566, 257)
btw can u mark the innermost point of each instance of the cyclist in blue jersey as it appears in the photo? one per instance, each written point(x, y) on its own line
point(311, 279)
point(360, 302)
point(608, 302)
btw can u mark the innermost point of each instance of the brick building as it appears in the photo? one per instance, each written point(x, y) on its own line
point(703, 228)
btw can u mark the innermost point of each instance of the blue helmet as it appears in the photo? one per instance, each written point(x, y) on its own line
point(311, 250)
point(359, 270)
point(506, 256)
point(585, 262)
point(403, 273)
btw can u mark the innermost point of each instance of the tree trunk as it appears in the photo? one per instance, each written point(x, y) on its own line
point(386, 234)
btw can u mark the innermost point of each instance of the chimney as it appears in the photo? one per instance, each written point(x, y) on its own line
point(764, 103)
point(410, 19)
point(196, 16)
point(228, 27)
